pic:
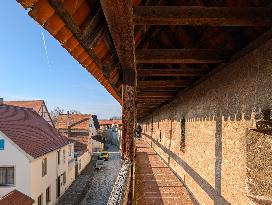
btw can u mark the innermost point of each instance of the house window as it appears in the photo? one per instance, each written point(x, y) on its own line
point(6, 176)
point(40, 200)
point(64, 156)
point(48, 195)
point(44, 166)
point(182, 135)
point(58, 157)
point(64, 178)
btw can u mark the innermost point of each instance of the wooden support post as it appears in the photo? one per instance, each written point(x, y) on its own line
point(129, 121)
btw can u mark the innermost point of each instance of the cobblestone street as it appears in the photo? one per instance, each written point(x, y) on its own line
point(103, 180)
point(94, 187)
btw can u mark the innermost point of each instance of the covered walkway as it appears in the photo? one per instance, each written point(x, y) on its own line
point(155, 182)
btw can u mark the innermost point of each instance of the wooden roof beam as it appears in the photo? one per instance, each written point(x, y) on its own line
point(155, 94)
point(181, 56)
point(170, 72)
point(163, 83)
point(119, 18)
point(95, 29)
point(202, 16)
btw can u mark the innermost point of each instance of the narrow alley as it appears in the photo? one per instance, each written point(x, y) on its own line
point(103, 180)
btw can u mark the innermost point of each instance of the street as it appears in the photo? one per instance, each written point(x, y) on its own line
point(103, 180)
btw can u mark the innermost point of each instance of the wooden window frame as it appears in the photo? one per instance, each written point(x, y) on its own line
point(6, 176)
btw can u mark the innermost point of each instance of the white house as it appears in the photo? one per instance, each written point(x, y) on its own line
point(34, 158)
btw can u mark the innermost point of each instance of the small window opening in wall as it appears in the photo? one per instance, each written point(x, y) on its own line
point(182, 135)
point(265, 123)
point(160, 135)
point(266, 115)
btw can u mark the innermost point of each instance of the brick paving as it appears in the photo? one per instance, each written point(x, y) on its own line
point(155, 183)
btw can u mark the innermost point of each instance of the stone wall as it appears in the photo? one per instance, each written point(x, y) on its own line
point(219, 113)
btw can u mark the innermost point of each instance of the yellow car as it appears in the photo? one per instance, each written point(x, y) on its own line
point(104, 155)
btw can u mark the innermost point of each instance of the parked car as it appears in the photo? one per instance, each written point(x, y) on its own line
point(99, 164)
point(105, 156)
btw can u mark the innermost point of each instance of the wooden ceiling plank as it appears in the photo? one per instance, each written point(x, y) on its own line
point(155, 94)
point(202, 16)
point(197, 56)
point(119, 19)
point(170, 72)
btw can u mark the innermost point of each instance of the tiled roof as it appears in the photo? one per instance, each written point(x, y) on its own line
point(16, 198)
point(34, 104)
point(29, 131)
point(64, 120)
point(110, 122)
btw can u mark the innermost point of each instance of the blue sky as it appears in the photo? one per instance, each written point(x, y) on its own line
point(26, 74)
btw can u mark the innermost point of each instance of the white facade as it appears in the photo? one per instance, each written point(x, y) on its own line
point(12, 156)
point(28, 171)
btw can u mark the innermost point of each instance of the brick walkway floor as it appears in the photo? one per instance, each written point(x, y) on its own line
point(155, 183)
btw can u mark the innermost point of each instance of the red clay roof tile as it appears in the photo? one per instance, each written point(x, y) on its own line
point(34, 104)
point(16, 198)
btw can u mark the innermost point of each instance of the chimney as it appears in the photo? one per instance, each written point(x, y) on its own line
point(1, 101)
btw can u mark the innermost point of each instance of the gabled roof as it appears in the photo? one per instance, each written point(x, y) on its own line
point(76, 121)
point(34, 104)
point(15, 198)
point(29, 131)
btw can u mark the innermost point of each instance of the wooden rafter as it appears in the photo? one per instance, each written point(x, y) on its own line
point(181, 56)
point(208, 16)
point(68, 20)
point(164, 83)
point(95, 29)
point(119, 18)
